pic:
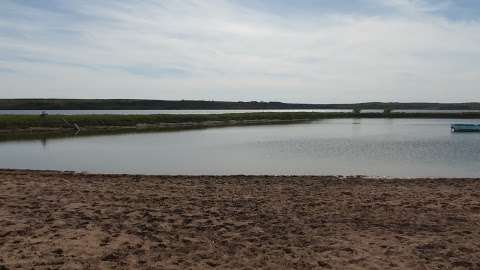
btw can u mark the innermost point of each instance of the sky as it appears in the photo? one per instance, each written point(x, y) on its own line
point(312, 51)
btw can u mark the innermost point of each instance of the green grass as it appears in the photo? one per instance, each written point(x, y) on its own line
point(52, 121)
point(26, 121)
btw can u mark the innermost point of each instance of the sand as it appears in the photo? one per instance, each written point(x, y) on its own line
point(53, 220)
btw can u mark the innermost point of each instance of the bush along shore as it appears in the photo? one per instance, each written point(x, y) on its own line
point(21, 124)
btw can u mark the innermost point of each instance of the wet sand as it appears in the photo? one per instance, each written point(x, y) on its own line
point(52, 220)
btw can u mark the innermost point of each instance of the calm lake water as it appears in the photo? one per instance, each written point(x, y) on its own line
point(375, 147)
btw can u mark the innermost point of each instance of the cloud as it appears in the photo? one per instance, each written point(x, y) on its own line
point(415, 6)
point(231, 50)
point(6, 71)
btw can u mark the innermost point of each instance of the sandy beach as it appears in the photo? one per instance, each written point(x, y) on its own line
point(54, 220)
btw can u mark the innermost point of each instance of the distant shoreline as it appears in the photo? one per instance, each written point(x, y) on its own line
point(145, 104)
point(62, 124)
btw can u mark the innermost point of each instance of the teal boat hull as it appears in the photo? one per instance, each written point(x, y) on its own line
point(465, 128)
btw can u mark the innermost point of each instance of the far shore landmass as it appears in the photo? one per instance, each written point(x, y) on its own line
point(66, 220)
point(152, 104)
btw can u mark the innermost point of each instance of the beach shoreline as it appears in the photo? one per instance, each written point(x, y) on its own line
point(67, 220)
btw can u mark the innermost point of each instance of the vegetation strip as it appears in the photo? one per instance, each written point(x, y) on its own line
point(38, 123)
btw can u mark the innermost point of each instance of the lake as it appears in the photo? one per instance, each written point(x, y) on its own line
point(374, 147)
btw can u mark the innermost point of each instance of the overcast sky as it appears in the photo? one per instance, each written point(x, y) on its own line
point(318, 51)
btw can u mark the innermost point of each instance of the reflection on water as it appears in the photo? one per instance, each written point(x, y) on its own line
point(379, 147)
point(44, 142)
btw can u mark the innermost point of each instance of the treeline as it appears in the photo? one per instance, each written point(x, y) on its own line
point(141, 104)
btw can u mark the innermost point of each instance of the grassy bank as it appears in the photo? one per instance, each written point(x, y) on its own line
point(53, 133)
point(29, 123)
point(26, 121)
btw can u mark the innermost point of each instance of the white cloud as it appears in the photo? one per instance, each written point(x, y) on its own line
point(229, 52)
